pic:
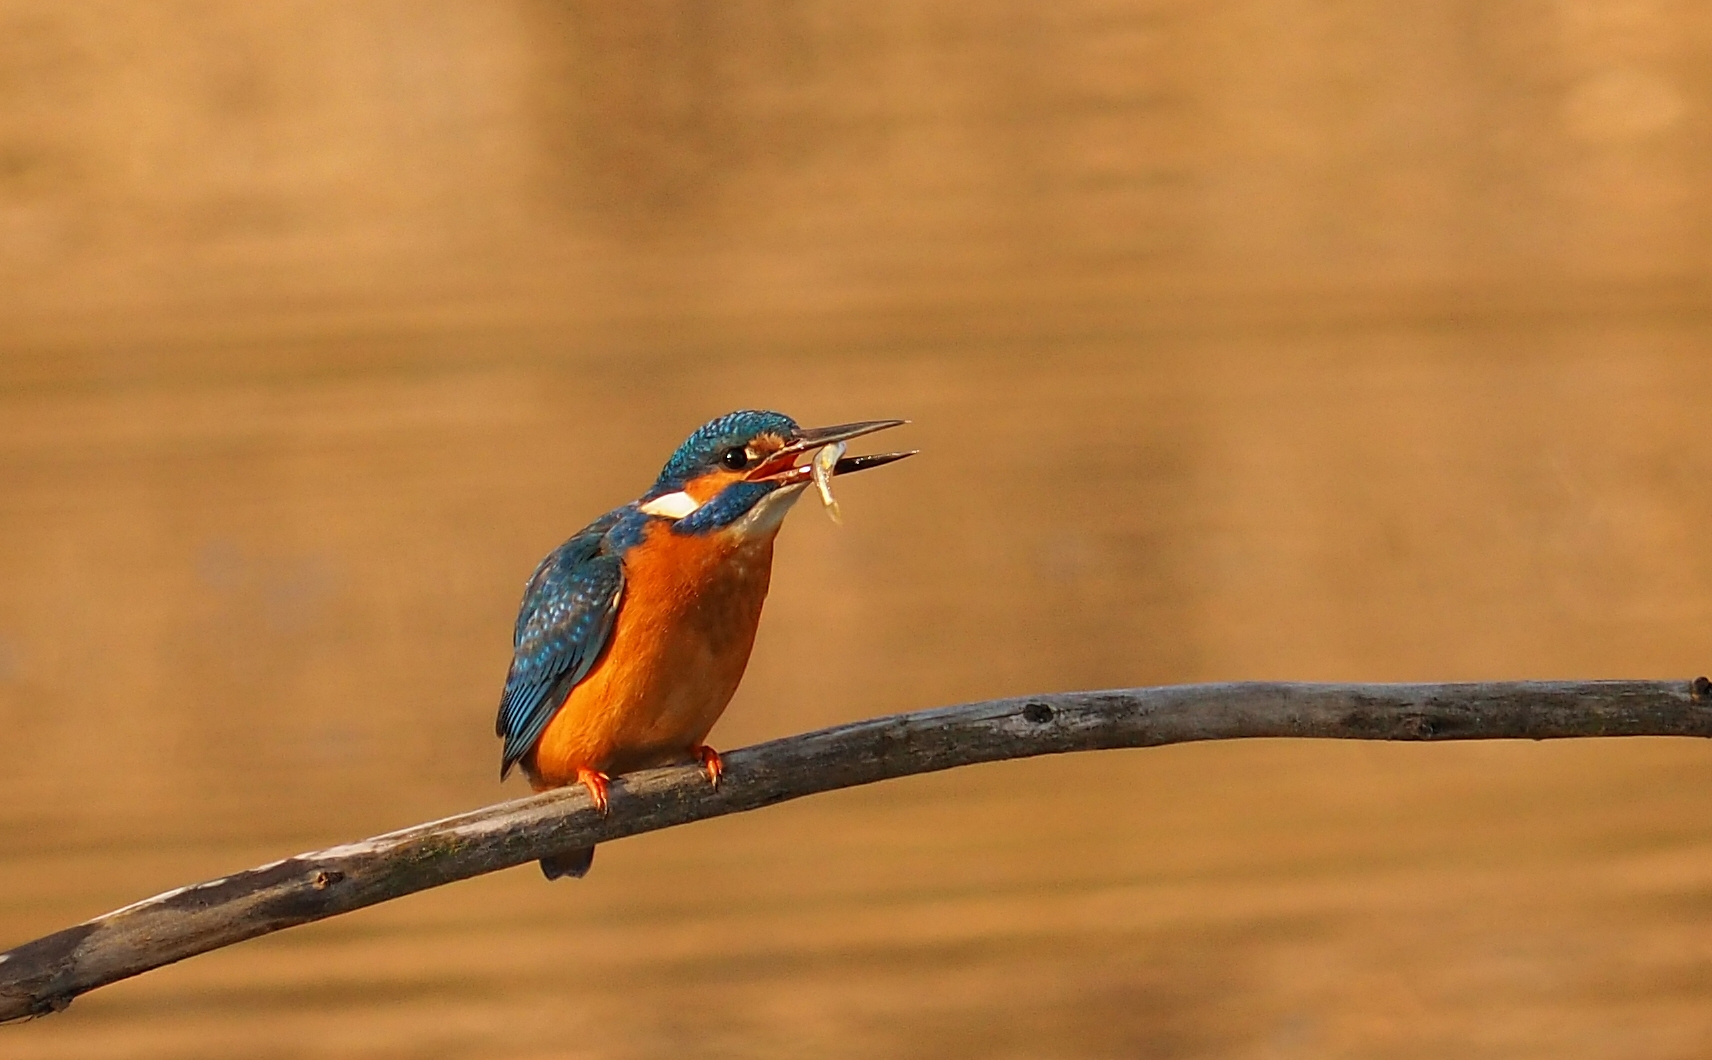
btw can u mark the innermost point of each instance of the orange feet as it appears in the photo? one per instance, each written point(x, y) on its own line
point(596, 785)
point(710, 761)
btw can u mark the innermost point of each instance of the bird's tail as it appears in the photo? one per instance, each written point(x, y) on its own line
point(572, 863)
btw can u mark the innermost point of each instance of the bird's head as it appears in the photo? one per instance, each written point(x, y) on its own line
point(743, 471)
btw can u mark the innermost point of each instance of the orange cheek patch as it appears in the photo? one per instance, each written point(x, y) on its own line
point(707, 487)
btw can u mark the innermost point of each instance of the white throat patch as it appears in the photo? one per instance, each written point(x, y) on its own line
point(672, 505)
point(768, 513)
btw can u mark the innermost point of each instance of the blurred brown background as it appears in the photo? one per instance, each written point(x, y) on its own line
point(1333, 340)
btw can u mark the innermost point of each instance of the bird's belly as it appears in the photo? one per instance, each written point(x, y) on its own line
point(678, 650)
point(666, 707)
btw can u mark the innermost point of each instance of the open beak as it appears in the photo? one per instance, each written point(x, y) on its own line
point(782, 466)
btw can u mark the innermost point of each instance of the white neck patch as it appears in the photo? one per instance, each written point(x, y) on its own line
point(768, 513)
point(672, 505)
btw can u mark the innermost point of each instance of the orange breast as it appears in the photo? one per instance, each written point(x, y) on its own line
point(679, 646)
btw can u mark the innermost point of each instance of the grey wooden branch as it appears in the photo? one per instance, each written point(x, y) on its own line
point(45, 975)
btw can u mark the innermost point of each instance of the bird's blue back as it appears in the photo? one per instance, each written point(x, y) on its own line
point(566, 620)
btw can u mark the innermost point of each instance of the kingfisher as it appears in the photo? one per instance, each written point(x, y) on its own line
point(634, 634)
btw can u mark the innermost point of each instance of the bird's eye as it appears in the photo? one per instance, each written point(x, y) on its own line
point(735, 459)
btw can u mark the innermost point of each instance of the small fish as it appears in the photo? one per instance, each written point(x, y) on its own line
point(825, 459)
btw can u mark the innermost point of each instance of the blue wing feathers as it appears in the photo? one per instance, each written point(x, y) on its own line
point(568, 611)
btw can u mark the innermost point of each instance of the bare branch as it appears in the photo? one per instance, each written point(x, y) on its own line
point(45, 975)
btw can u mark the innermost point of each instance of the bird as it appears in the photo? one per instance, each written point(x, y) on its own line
point(633, 634)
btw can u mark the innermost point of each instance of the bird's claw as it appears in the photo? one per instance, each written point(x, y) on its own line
point(711, 762)
point(596, 784)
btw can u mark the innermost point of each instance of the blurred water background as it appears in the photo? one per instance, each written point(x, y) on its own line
point(1341, 340)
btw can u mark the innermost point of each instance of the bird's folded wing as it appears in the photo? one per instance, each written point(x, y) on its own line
point(567, 617)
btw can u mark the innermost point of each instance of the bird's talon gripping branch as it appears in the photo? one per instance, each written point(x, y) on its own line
point(710, 761)
point(596, 785)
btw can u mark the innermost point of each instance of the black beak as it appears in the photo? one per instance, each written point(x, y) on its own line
point(814, 437)
point(847, 464)
point(808, 439)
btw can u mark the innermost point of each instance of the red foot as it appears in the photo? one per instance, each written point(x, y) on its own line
point(710, 761)
point(596, 785)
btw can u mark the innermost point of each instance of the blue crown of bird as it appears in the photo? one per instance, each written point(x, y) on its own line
point(634, 634)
